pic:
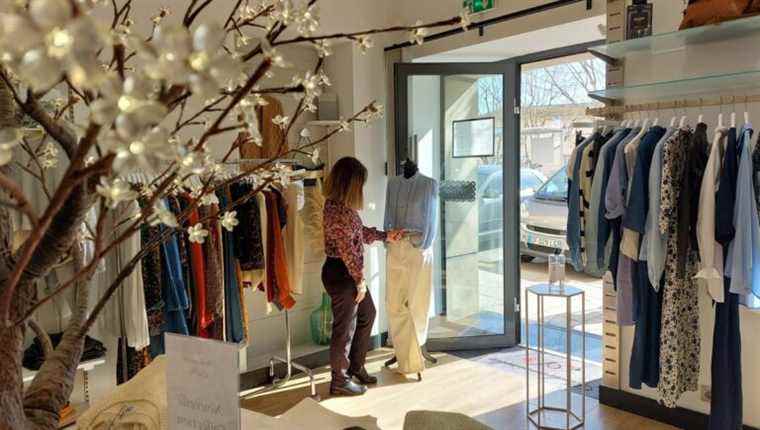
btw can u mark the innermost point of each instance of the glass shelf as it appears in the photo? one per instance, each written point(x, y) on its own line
point(723, 84)
point(677, 40)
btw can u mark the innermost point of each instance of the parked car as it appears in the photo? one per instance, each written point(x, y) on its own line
point(490, 189)
point(543, 219)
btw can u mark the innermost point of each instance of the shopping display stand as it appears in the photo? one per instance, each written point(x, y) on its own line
point(540, 414)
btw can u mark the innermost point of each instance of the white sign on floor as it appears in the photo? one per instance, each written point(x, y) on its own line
point(202, 381)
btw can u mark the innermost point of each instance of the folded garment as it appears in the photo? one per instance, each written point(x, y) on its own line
point(34, 356)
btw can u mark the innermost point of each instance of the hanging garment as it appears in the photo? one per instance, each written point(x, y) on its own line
point(645, 357)
point(213, 264)
point(629, 246)
point(710, 251)
point(273, 143)
point(129, 361)
point(598, 192)
point(233, 304)
point(743, 259)
point(151, 263)
point(278, 285)
point(679, 341)
point(204, 317)
point(726, 400)
point(314, 235)
point(408, 293)
point(613, 205)
point(248, 242)
point(412, 204)
point(597, 248)
point(575, 234)
point(654, 242)
point(586, 176)
point(174, 296)
point(294, 235)
point(125, 313)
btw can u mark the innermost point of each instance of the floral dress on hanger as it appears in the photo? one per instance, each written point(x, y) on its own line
point(679, 336)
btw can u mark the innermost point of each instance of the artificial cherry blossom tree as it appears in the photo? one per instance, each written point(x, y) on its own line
point(135, 102)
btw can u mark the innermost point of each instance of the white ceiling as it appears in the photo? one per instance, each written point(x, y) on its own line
point(585, 30)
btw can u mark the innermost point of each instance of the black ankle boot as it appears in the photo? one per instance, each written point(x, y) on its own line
point(363, 377)
point(348, 388)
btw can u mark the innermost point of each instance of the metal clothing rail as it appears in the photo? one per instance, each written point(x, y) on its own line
point(673, 105)
point(482, 25)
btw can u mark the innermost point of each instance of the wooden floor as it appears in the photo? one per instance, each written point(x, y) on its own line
point(492, 396)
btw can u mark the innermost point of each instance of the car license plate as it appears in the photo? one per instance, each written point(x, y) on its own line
point(545, 242)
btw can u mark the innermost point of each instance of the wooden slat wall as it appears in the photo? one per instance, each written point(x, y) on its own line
point(615, 77)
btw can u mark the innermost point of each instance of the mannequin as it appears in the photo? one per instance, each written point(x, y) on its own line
point(411, 205)
point(410, 168)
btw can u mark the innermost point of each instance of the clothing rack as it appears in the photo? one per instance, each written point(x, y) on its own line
point(288, 360)
point(673, 105)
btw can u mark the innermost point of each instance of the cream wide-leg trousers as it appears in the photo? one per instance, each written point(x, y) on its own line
point(408, 292)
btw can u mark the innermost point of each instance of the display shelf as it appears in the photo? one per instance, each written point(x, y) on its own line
point(723, 84)
point(85, 366)
point(677, 40)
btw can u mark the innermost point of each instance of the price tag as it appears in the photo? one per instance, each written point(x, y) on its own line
point(202, 382)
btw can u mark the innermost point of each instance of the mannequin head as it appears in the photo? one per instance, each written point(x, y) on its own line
point(346, 181)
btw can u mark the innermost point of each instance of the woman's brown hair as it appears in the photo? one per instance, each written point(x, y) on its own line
point(346, 181)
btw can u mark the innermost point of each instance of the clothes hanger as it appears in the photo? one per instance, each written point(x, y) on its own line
point(674, 119)
point(733, 114)
point(701, 112)
point(682, 123)
point(746, 110)
point(720, 115)
point(656, 118)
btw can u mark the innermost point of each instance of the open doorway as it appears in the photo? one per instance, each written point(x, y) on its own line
point(553, 120)
point(488, 251)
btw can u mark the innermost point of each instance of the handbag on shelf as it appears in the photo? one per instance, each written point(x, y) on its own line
point(753, 8)
point(705, 12)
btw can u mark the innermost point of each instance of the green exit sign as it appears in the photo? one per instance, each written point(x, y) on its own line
point(477, 6)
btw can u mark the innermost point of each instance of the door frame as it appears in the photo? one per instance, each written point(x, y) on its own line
point(402, 72)
point(511, 70)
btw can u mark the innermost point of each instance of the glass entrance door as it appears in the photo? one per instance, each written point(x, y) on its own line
point(450, 120)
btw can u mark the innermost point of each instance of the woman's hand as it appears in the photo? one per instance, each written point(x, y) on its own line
point(395, 235)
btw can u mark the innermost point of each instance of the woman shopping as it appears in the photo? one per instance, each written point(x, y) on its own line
point(343, 275)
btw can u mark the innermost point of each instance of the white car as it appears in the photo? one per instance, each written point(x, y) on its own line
point(543, 219)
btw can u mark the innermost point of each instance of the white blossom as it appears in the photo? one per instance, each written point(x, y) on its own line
point(209, 199)
point(417, 36)
point(365, 43)
point(315, 156)
point(46, 40)
point(116, 192)
point(344, 126)
point(197, 234)
point(164, 216)
point(281, 121)
point(323, 48)
point(49, 156)
point(466, 19)
point(229, 220)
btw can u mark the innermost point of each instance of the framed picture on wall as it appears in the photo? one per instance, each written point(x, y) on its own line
point(474, 137)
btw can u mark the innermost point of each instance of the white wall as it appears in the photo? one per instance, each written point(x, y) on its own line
point(714, 58)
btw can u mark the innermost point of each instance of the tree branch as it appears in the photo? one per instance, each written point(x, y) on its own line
point(355, 35)
point(14, 191)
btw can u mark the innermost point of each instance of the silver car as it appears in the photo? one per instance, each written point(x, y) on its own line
point(543, 219)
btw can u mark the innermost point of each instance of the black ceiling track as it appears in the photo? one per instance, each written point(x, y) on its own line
point(481, 25)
